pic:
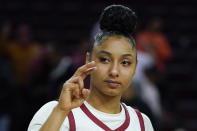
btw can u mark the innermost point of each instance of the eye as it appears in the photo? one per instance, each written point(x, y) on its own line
point(104, 60)
point(126, 63)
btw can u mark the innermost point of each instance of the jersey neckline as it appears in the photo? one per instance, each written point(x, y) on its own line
point(124, 126)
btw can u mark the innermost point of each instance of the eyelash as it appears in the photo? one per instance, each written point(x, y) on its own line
point(106, 60)
point(126, 63)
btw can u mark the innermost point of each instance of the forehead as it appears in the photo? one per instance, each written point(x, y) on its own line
point(115, 45)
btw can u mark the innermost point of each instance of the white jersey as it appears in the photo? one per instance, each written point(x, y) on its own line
point(88, 118)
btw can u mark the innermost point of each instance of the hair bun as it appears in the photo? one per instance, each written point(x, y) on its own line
point(118, 18)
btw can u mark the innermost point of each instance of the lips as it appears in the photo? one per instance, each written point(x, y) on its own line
point(112, 83)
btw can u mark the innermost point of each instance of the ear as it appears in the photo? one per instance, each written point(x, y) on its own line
point(87, 57)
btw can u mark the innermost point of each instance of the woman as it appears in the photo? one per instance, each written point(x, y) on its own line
point(112, 64)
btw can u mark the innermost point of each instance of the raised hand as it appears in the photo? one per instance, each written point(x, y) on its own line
point(73, 93)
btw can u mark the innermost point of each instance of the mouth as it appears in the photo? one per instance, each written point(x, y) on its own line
point(112, 83)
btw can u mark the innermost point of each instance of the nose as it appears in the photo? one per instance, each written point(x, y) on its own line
point(114, 71)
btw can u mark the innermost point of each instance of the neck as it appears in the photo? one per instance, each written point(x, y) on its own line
point(104, 103)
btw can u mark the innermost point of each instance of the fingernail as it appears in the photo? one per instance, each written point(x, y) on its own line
point(85, 90)
point(94, 67)
point(92, 62)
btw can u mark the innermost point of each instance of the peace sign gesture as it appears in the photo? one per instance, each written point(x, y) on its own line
point(73, 93)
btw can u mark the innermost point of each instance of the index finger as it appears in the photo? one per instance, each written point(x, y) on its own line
point(85, 70)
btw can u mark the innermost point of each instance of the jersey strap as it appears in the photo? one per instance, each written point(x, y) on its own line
point(123, 127)
point(141, 120)
point(102, 125)
point(71, 121)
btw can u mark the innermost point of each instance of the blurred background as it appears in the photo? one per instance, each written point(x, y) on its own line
point(42, 42)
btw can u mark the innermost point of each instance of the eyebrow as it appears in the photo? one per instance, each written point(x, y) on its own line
point(108, 53)
point(105, 52)
point(125, 55)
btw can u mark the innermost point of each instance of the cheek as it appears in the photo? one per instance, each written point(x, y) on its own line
point(101, 68)
point(128, 75)
point(101, 71)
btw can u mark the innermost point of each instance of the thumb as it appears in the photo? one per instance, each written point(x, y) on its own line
point(85, 93)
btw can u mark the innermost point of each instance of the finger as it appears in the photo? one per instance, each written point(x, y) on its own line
point(85, 93)
point(77, 80)
point(87, 57)
point(73, 79)
point(67, 86)
point(83, 97)
point(76, 92)
point(80, 71)
point(77, 103)
point(88, 72)
point(71, 87)
point(66, 93)
point(81, 83)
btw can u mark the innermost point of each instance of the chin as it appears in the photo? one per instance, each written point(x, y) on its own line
point(107, 91)
point(112, 92)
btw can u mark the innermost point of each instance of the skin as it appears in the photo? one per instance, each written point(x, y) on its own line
point(112, 69)
point(116, 61)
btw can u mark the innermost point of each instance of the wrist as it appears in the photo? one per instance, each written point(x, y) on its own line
point(60, 111)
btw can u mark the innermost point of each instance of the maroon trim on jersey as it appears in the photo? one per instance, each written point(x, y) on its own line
point(71, 121)
point(123, 127)
point(141, 120)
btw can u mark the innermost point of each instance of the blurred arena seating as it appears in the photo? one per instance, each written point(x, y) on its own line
point(67, 22)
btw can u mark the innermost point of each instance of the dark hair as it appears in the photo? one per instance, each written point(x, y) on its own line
point(116, 20)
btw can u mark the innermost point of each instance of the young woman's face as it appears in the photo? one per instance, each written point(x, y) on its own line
point(116, 64)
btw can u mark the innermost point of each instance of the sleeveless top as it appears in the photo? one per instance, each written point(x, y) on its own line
point(124, 126)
